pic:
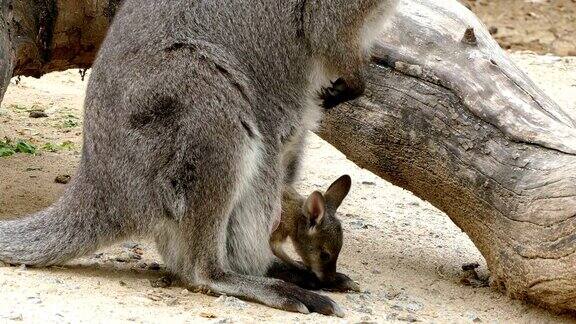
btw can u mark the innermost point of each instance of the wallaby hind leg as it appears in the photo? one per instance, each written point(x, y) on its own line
point(218, 155)
point(204, 231)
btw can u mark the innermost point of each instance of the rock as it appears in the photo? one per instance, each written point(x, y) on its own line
point(130, 245)
point(207, 315)
point(17, 317)
point(473, 317)
point(231, 302)
point(35, 300)
point(359, 224)
point(407, 318)
point(3, 264)
point(471, 278)
point(162, 282)
point(128, 257)
point(414, 306)
point(37, 114)
point(365, 309)
point(63, 179)
point(369, 183)
point(154, 266)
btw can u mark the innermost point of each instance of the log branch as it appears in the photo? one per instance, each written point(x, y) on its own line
point(449, 117)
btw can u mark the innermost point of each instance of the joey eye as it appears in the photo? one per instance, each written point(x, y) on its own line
point(324, 256)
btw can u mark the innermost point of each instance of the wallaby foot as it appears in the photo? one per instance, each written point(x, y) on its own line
point(299, 276)
point(271, 292)
point(339, 92)
point(341, 283)
point(305, 278)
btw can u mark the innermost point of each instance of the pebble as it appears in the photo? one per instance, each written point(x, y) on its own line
point(207, 315)
point(414, 306)
point(63, 179)
point(365, 309)
point(130, 245)
point(128, 257)
point(3, 264)
point(162, 282)
point(154, 266)
point(15, 317)
point(359, 224)
point(232, 302)
point(38, 114)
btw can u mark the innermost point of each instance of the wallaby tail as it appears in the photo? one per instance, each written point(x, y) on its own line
point(72, 227)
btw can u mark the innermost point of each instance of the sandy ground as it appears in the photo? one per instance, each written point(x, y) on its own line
point(543, 26)
point(406, 254)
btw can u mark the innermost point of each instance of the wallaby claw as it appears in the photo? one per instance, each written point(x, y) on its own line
point(304, 301)
point(337, 93)
point(342, 283)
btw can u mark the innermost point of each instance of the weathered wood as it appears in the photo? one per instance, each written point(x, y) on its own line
point(469, 132)
point(42, 36)
point(447, 115)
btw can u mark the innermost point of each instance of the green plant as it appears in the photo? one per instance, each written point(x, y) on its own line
point(50, 147)
point(67, 145)
point(70, 123)
point(8, 147)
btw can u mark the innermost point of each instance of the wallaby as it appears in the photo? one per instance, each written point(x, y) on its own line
point(314, 230)
point(193, 110)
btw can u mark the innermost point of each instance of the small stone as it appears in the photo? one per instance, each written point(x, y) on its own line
point(154, 266)
point(470, 266)
point(38, 114)
point(207, 315)
point(232, 302)
point(364, 309)
point(63, 179)
point(493, 30)
point(369, 183)
point(130, 245)
point(128, 257)
point(3, 264)
point(162, 282)
point(138, 251)
point(15, 317)
point(407, 318)
point(123, 284)
point(473, 317)
point(414, 306)
point(35, 300)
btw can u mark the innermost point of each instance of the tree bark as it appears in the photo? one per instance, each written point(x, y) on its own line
point(446, 115)
point(42, 36)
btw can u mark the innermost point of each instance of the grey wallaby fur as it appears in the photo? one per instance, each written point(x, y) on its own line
point(315, 231)
point(194, 112)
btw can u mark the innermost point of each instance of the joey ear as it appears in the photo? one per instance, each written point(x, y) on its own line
point(338, 191)
point(315, 207)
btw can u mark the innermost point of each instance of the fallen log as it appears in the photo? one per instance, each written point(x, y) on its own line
point(446, 115)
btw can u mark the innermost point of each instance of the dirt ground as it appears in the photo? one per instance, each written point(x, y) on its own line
point(406, 254)
point(542, 26)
